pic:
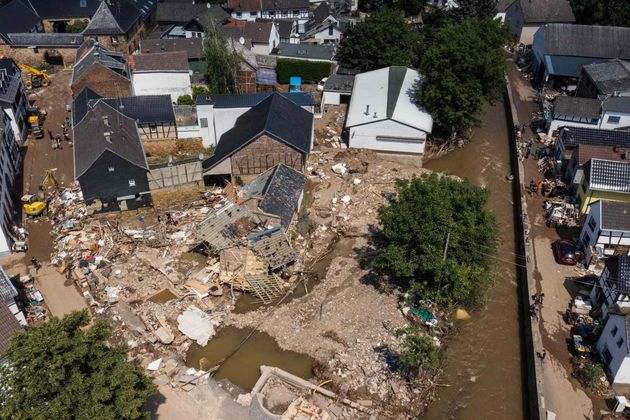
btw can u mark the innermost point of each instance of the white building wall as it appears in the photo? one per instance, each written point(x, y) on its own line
point(619, 366)
point(158, 83)
point(324, 36)
point(605, 123)
point(331, 98)
point(365, 136)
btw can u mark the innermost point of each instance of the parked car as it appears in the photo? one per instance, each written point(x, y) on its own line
point(564, 252)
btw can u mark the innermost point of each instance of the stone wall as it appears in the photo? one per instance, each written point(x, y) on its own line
point(264, 153)
point(37, 56)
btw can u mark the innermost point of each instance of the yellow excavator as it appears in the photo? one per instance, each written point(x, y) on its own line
point(33, 78)
point(34, 206)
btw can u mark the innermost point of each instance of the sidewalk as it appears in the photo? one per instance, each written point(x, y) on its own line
point(561, 393)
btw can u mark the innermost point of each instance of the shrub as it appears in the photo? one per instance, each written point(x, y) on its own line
point(185, 100)
point(590, 374)
point(309, 71)
point(419, 351)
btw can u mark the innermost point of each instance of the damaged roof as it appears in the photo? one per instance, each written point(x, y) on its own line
point(279, 190)
point(220, 230)
point(105, 129)
point(273, 247)
point(275, 116)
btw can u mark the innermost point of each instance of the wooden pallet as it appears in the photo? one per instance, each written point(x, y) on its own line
point(267, 288)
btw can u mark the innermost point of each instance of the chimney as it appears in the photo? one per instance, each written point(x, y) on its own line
point(374, 115)
point(367, 109)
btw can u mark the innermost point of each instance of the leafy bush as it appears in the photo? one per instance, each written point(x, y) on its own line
point(199, 90)
point(309, 71)
point(590, 374)
point(77, 27)
point(185, 100)
point(419, 351)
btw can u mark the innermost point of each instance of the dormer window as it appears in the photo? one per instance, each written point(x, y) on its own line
point(106, 120)
point(110, 169)
point(108, 137)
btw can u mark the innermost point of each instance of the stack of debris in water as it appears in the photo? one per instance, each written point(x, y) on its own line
point(250, 235)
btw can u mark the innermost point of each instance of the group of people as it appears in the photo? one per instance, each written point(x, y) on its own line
point(533, 308)
point(538, 188)
point(56, 138)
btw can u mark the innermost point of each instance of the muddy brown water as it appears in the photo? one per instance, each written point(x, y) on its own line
point(483, 369)
point(243, 368)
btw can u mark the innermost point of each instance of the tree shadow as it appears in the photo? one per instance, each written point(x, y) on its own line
point(381, 282)
point(153, 402)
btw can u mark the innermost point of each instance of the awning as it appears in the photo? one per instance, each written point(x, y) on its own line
point(266, 77)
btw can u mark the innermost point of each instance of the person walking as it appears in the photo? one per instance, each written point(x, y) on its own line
point(542, 356)
point(36, 264)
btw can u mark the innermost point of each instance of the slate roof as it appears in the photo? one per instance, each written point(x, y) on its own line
point(285, 27)
point(90, 142)
point(615, 215)
point(8, 325)
point(10, 80)
point(279, 190)
point(616, 104)
point(608, 175)
point(41, 39)
point(573, 136)
point(610, 76)
point(48, 9)
point(580, 107)
point(339, 83)
point(258, 32)
point(144, 109)
point(312, 51)
point(192, 46)
point(543, 11)
point(586, 41)
point(114, 19)
point(275, 116)
point(248, 100)
point(619, 272)
point(98, 54)
point(146, 7)
point(80, 104)
point(16, 17)
point(247, 5)
point(321, 12)
point(184, 13)
point(7, 289)
point(175, 61)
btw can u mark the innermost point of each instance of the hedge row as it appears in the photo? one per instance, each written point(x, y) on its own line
point(309, 71)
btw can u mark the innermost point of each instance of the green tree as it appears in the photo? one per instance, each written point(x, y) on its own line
point(185, 100)
point(416, 224)
point(464, 67)
point(418, 351)
point(410, 7)
point(479, 9)
point(199, 90)
point(383, 39)
point(64, 369)
point(602, 12)
point(223, 62)
point(77, 26)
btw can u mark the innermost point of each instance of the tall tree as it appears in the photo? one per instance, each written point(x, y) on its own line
point(602, 12)
point(479, 9)
point(222, 60)
point(428, 212)
point(463, 68)
point(64, 369)
point(383, 39)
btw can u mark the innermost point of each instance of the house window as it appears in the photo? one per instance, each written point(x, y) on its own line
point(132, 182)
point(239, 14)
point(592, 224)
point(253, 14)
point(330, 30)
point(110, 168)
point(586, 240)
point(613, 119)
point(203, 122)
point(620, 342)
point(606, 355)
point(613, 332)
point(296, 13)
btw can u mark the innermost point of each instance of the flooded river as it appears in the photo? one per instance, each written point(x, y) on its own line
point(483, 370)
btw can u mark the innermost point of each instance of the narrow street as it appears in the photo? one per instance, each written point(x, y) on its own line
point(563, 395)
point(40, 156)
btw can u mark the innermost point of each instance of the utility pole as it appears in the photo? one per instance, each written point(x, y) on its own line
point(448, 237)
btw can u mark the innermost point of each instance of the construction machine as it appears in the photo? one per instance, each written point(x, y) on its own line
point(33, 78)
point(35, 119)
point(32, 204)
